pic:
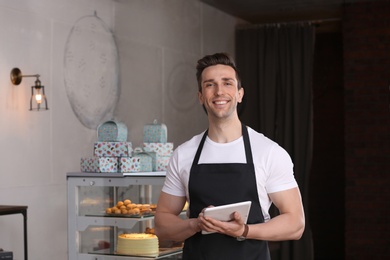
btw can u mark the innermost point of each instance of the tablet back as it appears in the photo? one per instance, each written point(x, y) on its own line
point(224, 212)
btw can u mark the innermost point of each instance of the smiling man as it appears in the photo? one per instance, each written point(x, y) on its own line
point(228, 163)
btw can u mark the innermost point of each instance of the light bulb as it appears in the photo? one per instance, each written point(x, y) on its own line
point(38, 98)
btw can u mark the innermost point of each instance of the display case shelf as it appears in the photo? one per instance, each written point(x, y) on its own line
point(164, 253)
point(126, 223)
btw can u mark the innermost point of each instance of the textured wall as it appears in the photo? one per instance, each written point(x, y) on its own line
point(158, 44)
point(367, 129)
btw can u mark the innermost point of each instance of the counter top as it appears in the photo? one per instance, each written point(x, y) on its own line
point(10, 209)
point(114, 174)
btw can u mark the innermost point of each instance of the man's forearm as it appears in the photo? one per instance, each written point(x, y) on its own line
point(171, 227)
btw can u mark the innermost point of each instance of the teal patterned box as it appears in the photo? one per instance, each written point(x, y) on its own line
point(112, 131)
point(155, 133)
point(113, 149)
point(153, 155)
point(129, 164)
point(99, 164)
point(161, 149)
point(146, 160)
point(162, 163)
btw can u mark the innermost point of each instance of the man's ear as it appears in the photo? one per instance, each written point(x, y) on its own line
point(200, 97)
point(240, 95)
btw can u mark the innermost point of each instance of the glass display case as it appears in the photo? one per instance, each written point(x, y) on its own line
point(92, 232)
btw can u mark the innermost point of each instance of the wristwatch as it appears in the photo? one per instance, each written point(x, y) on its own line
point(243, 236)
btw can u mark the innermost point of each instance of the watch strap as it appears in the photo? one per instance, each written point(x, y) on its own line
point(243, 236)
point(246, 229)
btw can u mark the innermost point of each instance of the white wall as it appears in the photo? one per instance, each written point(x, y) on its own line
point(158, 43)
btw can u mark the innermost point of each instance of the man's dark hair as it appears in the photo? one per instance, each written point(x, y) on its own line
point(215, 59)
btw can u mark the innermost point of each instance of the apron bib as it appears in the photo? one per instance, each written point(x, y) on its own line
point(219, 184)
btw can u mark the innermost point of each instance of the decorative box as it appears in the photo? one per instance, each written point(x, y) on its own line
point(112, 131)
point(99, 164)
point(162, 163)
point(113, 149)
point(153, 155)
point(129, 164)
point(161, 149)
point(146, 160)
point(155, 133)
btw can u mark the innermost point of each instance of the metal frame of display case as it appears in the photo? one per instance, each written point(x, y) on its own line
point(77, 223)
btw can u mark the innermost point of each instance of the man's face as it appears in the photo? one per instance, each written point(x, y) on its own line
point(220, 93)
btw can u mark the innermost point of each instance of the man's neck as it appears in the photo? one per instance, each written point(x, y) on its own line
point(226, 131)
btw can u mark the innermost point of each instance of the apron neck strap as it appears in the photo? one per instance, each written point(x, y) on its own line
point(245, 135)
point(247, 144)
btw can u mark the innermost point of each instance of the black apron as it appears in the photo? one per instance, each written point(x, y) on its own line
point(219, 184)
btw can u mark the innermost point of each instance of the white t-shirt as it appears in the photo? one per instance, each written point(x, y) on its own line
point(273, 165)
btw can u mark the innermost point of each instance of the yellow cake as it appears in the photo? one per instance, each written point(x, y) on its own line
point(139, 244)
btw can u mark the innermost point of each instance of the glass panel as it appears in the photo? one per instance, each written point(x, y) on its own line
point(93, 199)
point(96, 238)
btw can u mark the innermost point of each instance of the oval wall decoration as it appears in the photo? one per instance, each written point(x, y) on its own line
point(91, 71)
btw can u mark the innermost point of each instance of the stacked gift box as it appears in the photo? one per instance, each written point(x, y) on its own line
point(155, 144)
point(162, 153)
point(112, 152)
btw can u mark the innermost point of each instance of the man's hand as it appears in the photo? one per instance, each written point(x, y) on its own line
point(233, 228)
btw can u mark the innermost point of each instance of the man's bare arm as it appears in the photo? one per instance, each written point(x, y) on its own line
point(168, 224)
point(288, 225)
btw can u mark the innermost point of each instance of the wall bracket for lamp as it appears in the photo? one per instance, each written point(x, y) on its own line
point(38, 101)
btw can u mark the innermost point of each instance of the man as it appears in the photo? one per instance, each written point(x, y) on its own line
point(228, 163)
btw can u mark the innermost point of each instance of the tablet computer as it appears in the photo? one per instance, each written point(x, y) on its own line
point(224, 212)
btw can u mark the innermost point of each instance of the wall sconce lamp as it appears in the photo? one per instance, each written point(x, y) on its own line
point(38, 101)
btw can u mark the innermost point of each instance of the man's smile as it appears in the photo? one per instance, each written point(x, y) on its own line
point(220, 102)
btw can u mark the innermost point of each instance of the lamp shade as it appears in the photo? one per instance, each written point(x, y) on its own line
point(38, 101)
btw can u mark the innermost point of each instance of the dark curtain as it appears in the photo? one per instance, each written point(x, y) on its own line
point(276, 64)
